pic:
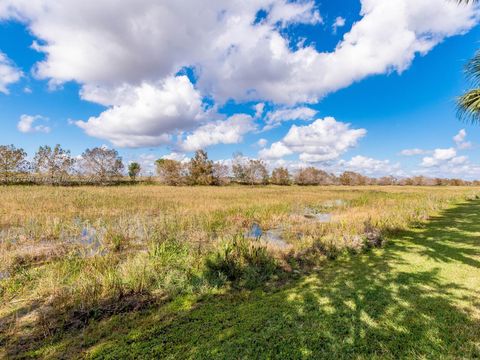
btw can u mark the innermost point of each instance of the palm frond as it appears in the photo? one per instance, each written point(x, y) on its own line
point(468, 106)
point(472, 69)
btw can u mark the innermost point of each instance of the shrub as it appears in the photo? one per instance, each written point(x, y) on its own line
point(242, 262)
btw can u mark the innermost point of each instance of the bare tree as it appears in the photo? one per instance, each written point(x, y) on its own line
point(239, 168)
point(280, 176)
point(55, 163)
point(12, 162)
point(314, 176)
point(256, 173)
point(353, 178)
point(220, 174)
point(102, 164)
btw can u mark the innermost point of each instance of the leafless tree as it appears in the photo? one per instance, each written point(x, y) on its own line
point(353, 178)
point(314, 176)
point(220, 174)
point(256, 173)
point(55, 163)
point(280, 176)
point(12, 162)
point(102, 164)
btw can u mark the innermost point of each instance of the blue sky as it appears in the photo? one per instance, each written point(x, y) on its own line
point(351, 98)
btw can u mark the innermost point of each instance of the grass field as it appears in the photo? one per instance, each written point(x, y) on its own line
point(159, 272)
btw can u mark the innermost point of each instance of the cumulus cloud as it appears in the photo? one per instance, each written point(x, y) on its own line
point(275, 118)
point(323, 140)
point(230, 131)
point(460, 140)
point(440, 157)
point(125, 53)
point(26, 124)
point(147, 114)
point(370, 166)
point(237, 57)
point(338, 23)
point(277, 150)
point(9, 74)
point(458, 167)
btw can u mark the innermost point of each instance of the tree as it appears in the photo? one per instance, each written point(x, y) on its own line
point(386, 180)
point(239, 168)
point(12, 161)
point(353, 178)
point(220, 174)
point(280, 176)
point(102, 164)
point(55, 163)
point(314, 176)
point(468, 104)
point(200, 169)
point(134, 169)
point(170, 171)
point(256, 173)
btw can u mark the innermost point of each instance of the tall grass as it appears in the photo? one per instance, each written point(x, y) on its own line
point(75, 253)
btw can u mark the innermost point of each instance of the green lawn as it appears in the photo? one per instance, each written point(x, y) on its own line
point(419, 297)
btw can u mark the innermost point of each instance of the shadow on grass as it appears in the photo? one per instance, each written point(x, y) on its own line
point(417, 298)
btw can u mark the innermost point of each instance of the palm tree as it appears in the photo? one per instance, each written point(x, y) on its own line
point(469, 103)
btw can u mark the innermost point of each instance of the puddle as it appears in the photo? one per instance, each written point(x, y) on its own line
point(255, 232)
point(89, 240)
point(269, 237)
point(318, 217)
point(274, 237)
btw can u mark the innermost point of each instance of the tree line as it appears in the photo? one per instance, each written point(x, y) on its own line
point(101, 165)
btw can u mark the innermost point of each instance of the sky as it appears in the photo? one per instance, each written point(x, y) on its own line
point(360, 85)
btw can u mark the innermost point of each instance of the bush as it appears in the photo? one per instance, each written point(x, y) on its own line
point(242, 262)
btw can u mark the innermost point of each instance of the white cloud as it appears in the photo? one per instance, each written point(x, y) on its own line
point(26, 124)
point(338, 23)
point(275, 118)
point(144, 41)
point(323, 140)
point(178, 156)
point(413, 152)
point(277, 150)
point(370, 166)
point(146, 115)
point(9, 74)
point(125, 54)
point(460, 141)
point(259, 109)
point(261, 65)
point(456, 167)
point(230, 131)
point(439, 157)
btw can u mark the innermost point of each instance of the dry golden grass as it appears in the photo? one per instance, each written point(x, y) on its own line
point(67, 251)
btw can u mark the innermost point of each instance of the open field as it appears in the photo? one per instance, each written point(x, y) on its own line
point(204, 272)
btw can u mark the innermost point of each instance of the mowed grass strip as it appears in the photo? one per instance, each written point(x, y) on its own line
point(418, 298)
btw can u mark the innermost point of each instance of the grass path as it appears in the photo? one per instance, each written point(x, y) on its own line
point(417, 298)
